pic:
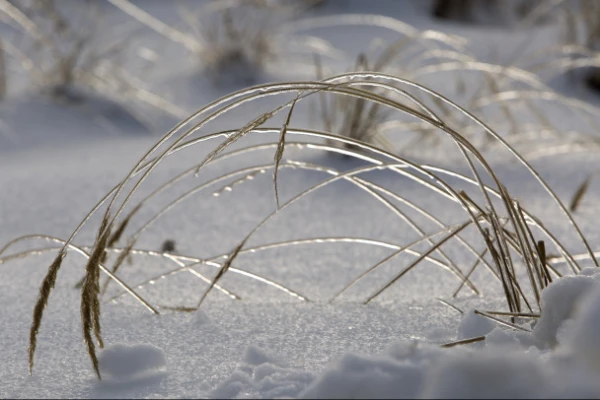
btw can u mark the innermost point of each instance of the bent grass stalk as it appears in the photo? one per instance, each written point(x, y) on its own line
point(356, 181)
point(498, 239)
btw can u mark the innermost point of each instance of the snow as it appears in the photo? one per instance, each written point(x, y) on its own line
point(57, 160)
point(559, 302)
point(473, 325)
point(580, 337)
point(507, 365)
point(129, 363)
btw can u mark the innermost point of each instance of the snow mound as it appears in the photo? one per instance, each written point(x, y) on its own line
point(255, 356)
point(433, 372)
point(263, 375)
point(487, 375)
point(232, 386)
point(582, 338)
point(473, 325)
point(559, 302)
point(122, 363)
point(560, 358)
point(397, 375)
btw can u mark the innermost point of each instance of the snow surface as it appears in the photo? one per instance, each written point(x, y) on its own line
point(56, 161)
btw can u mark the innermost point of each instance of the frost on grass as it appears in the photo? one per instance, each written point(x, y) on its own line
point(499, 241)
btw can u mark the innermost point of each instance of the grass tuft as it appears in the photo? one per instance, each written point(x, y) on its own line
point(70, 57)
point(353, 117)
point(483, 222)
point(232, 41)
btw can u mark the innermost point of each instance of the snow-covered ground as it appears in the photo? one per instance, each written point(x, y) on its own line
point(284, 337)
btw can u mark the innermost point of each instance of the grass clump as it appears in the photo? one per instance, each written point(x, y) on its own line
point(352, 117)
point(65, 57)
point(239, 43)
point(71, 57)
point(486, 222)
point(232, 41)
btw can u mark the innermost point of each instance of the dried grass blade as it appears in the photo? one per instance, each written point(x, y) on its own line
point(38, 311)
point(502, 322)
point(508, 281)
point(541, 250)
point(326, 116)
point(180, 309)
point(280, 148)
point(471, 270)
point(452, 306)
point(90, 302)
point(189, 268)
point(122, 257)
point(418, 260)
point(23, 20)
point(500, 256)
point(113, 239)
point(525, 239)
point(230, 139)
point(579, 193)
point(537, 252)
point(572, 262)
point(65, 245)
point(389, 257)
point(511, 314)
point(116, 236)
point(193, 44)
point(464, 341)
point(222, 271)
point(87, 336)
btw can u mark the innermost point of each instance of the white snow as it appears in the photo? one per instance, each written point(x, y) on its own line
point(473, 325)
point(508, 365)
point(57, 161)
point(128, 363)
point(582, 336)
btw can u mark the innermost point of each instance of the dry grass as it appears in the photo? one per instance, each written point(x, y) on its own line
point(489, 225)
point(70, 56)
point(352, 117)
point(238, 46)
point(90, 302)
point(233, 41)
point(38, 311)
point(496, 230)
point(580, 40)
point(581, 191)
point(230, 44)
point(511, 99)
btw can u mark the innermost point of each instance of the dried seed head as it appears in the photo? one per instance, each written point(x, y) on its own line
point(38, 311)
